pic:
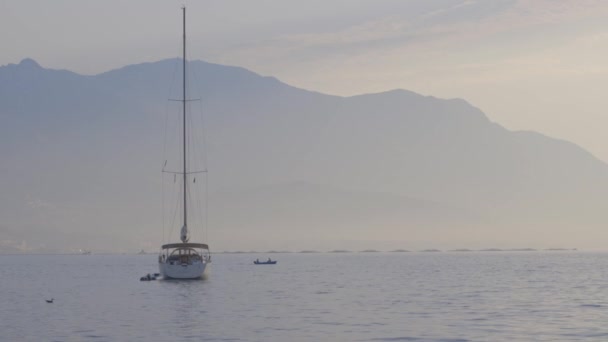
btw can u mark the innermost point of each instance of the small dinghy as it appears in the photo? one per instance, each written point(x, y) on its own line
point(148, 277)
point(267, 262)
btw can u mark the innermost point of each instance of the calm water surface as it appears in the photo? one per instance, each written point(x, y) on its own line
point(499, 296)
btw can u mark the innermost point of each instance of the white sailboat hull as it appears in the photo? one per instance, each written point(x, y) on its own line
point(195, 270)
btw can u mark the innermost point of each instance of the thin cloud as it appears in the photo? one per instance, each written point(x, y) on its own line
point(447, 27)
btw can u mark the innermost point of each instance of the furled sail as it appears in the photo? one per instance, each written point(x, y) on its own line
point(185, 235)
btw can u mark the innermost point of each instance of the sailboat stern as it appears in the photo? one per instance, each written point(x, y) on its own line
point(184, 260)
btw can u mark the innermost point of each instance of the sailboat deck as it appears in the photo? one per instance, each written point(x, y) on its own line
point(185, 245)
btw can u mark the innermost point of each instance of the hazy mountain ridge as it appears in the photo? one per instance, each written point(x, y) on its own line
point(89, 149)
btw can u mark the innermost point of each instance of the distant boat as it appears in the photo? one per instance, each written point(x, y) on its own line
point(141, 252)
point(84, 252)
point(267, 262)
point(185, 260)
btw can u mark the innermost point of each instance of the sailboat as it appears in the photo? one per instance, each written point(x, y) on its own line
point(185, 259)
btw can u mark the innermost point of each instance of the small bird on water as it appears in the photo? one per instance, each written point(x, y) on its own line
point(50, 300)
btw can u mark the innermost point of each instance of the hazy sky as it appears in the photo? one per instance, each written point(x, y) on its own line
point(539, 65)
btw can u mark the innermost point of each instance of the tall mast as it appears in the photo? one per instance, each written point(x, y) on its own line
point(184, 126)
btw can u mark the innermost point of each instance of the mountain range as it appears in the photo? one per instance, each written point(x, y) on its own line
point(287, 168)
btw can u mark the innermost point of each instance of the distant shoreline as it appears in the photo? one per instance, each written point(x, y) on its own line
point(336, 251)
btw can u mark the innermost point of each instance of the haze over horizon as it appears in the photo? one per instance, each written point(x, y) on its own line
point(396, 168)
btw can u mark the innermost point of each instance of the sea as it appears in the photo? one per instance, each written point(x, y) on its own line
point(416, 296)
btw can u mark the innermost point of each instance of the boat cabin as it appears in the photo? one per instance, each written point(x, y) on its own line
point(184, 253)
